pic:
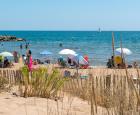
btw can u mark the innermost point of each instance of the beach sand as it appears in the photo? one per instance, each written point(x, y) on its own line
point(12, 105)
point(68, 105)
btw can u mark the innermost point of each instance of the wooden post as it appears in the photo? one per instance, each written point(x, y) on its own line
point(122, 54)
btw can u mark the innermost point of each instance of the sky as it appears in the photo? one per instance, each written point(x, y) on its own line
point(70, 14)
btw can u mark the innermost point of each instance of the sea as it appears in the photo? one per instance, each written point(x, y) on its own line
point(97, 45)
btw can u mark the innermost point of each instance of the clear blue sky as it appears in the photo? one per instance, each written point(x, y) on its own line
point(69, 14)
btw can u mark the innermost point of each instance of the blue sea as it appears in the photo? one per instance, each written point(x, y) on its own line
point(97, 45)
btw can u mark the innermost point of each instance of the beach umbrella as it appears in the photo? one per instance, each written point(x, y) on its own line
point(67, 52)
point(46, 53)
point(125, 51)
point(6, 54)
point(79, 59)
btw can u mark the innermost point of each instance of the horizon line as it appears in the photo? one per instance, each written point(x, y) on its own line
point(71, 30)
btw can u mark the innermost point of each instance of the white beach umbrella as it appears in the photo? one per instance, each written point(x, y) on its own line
point(6, 54)
point(125, 51)
point(67, 52)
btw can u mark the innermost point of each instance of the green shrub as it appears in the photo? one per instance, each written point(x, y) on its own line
point(41, 84)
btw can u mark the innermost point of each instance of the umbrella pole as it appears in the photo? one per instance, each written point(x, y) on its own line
point(122, 54)
point(113, 49)
point(78, 68)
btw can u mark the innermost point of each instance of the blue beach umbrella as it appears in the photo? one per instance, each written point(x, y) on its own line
point(46, 53)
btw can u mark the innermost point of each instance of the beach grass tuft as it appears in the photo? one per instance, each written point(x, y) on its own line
point(40, 83)
point(3, 84)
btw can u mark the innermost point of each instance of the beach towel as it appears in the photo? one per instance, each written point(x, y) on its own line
point(84, 77)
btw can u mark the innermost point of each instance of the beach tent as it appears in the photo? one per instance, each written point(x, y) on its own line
point(125, 51)
point(6, 54)
point(86, 57)
point(67, 52)
point(79, 59)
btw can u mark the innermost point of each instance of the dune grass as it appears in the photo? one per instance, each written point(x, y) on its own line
point(40, 83)
point(3, 84)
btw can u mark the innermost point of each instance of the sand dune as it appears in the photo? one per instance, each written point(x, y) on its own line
point(12, 105)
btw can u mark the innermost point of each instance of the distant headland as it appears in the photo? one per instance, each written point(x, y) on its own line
point(10, 38)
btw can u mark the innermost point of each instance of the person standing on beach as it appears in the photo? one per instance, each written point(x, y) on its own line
point(21, 48)
point(26, 46)
point(29, 60)
point(15, 54)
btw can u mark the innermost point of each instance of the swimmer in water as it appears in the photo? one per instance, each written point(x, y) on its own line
point(20, 46)
point(61, 45)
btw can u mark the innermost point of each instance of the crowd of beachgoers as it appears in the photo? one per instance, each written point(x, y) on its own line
point(68, 59)
point(81, 76)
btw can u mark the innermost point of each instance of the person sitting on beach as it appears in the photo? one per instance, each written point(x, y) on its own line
point(69, 61)
point(6, 62)
point(60, 59)
point(35, 62)
point(75, 64)
point(109, 63)
point(135, 65)
point(48, 61)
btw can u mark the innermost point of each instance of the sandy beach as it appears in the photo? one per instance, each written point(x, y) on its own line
point(67, 104)
point(12, 105)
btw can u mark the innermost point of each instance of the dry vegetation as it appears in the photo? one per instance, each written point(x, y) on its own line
point(3, 83)
point(117, 92)
point(108, 91)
